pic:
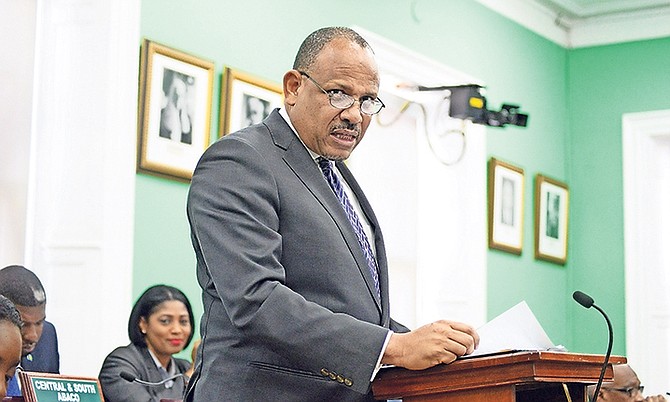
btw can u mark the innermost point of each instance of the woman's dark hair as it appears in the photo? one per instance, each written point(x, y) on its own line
point(147, 304)
point(8, 312)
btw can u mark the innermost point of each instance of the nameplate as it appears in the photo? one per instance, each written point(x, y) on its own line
point(46, 387)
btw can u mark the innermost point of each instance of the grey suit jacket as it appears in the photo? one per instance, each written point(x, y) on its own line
point(138, 362)
point(290, 310)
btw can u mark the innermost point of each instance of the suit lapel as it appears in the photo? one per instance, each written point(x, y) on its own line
point(301, 163)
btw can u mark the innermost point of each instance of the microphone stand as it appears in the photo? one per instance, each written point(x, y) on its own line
point(587, 302)
point(132, 378)
point(607, 355)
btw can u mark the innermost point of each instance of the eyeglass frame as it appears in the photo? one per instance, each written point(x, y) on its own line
point(627, 390)
point(330, 94)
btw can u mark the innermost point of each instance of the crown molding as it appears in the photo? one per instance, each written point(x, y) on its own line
point(574, 32)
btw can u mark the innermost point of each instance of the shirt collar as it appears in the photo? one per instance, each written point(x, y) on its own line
point(284, 114)
point(171, 370)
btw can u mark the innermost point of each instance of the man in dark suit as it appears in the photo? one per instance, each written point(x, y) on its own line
point(40, 343)
point(290, 255)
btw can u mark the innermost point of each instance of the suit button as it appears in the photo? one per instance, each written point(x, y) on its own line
point(340, 379)
point(325, 372)
point(332, 376)
point(348, 382)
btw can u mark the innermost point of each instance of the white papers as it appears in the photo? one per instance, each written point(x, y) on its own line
point(515, 329)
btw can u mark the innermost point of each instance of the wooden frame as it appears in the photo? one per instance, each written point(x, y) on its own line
point(551, 219)
point(505, 206)
point(174, 112)
point(47, 387)
point(245, 100)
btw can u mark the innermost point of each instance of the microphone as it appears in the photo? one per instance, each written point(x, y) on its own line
point(132, 378)
point(587, 302)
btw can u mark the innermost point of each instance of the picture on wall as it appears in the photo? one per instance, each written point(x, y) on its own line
point(551, 219)
point(505, 204)
point(246, 100)
point(174, 111)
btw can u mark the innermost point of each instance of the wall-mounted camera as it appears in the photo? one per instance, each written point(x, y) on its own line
point(467, 102)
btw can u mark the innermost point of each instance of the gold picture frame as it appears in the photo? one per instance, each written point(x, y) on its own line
point(505, 206)
point(174, 112)
point(552, 199)
point(245, 100)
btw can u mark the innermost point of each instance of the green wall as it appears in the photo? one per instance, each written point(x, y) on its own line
point(574, 127)
point(605, 82)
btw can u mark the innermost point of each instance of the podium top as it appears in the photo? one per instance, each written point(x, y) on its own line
point(518, 368)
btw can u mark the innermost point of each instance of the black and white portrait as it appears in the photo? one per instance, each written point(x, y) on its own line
point(254, 110)
point(553, 214)
point(507, 200)
point(176, 122)
point(175, 110)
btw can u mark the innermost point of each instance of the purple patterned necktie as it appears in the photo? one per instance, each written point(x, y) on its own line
point(336, 185)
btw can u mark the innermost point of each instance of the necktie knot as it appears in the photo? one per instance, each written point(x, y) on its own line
point(324, 164)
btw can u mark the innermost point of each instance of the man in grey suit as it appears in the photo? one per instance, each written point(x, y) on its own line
point(295, 294)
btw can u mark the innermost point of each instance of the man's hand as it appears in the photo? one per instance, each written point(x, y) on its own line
point(657, 398)
point(439, 342)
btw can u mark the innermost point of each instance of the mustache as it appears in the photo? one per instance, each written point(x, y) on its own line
point(347, 126)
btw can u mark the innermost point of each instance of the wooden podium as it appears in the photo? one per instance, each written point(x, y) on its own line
point(511, 377)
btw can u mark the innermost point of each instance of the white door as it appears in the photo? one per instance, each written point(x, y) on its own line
point(430, 212)
point(646, 171)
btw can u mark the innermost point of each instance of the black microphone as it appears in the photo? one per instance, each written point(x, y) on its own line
point(132, 378)
point(587, 301)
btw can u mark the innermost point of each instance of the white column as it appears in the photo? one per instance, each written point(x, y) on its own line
point(82, 172)
point(17, 48)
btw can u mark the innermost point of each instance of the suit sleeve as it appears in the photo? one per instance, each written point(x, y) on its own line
point(233, 209)
point(117, 389)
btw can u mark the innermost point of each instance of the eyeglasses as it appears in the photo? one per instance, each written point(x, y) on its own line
point(341, 100)
point(630, 391)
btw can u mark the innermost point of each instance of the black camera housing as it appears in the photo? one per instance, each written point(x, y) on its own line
point(467, 102)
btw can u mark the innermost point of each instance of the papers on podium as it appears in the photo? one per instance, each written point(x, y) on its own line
point(516, 329)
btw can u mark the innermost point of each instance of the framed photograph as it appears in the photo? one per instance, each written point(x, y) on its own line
point(551, 220)
point(505, 203)
point(174, 112)
point(246, 100)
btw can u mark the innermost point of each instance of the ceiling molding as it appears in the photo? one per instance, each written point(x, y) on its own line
point(585, 27)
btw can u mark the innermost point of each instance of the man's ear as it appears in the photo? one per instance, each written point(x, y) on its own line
point(292, 82)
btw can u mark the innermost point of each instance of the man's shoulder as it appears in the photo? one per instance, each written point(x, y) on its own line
point(271, 132)
point(49, 338)
point(48, 328)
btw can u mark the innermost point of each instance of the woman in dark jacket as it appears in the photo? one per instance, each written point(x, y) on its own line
point(160, 325)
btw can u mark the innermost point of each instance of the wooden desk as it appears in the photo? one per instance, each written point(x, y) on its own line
point(513, 377)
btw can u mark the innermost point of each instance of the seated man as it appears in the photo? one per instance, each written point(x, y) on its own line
point(625, 387)
point(40, 344)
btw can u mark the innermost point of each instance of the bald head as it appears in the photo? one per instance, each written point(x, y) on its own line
point(314, 43)
point(624, 380)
